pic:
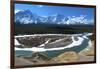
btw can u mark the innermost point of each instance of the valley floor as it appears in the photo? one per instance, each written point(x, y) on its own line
point(85, 55)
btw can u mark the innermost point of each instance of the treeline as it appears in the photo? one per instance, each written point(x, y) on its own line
point(51, 29)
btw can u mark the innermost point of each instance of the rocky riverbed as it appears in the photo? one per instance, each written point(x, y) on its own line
point(53, 48)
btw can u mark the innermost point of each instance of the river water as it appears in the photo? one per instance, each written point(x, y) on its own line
point(77, 46)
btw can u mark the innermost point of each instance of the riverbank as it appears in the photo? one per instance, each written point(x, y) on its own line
point(73, 48)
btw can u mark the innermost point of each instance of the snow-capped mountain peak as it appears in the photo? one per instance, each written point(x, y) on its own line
point(77, 20)
point(27, 17)
point(16, 11)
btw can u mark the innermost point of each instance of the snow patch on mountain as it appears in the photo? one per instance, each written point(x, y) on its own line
point(16, 11)
point(77, 20)
point(27, 17)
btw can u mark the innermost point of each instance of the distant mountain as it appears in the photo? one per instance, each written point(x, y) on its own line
point(27, 17)
point(59, 19)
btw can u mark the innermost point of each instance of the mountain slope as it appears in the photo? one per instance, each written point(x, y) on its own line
point(27, 17)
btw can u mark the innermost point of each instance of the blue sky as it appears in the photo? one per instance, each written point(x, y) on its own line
point(45, 10)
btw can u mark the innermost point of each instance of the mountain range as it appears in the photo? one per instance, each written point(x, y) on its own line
point(27, 17)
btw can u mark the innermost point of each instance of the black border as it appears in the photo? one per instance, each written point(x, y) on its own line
point(12, 65)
